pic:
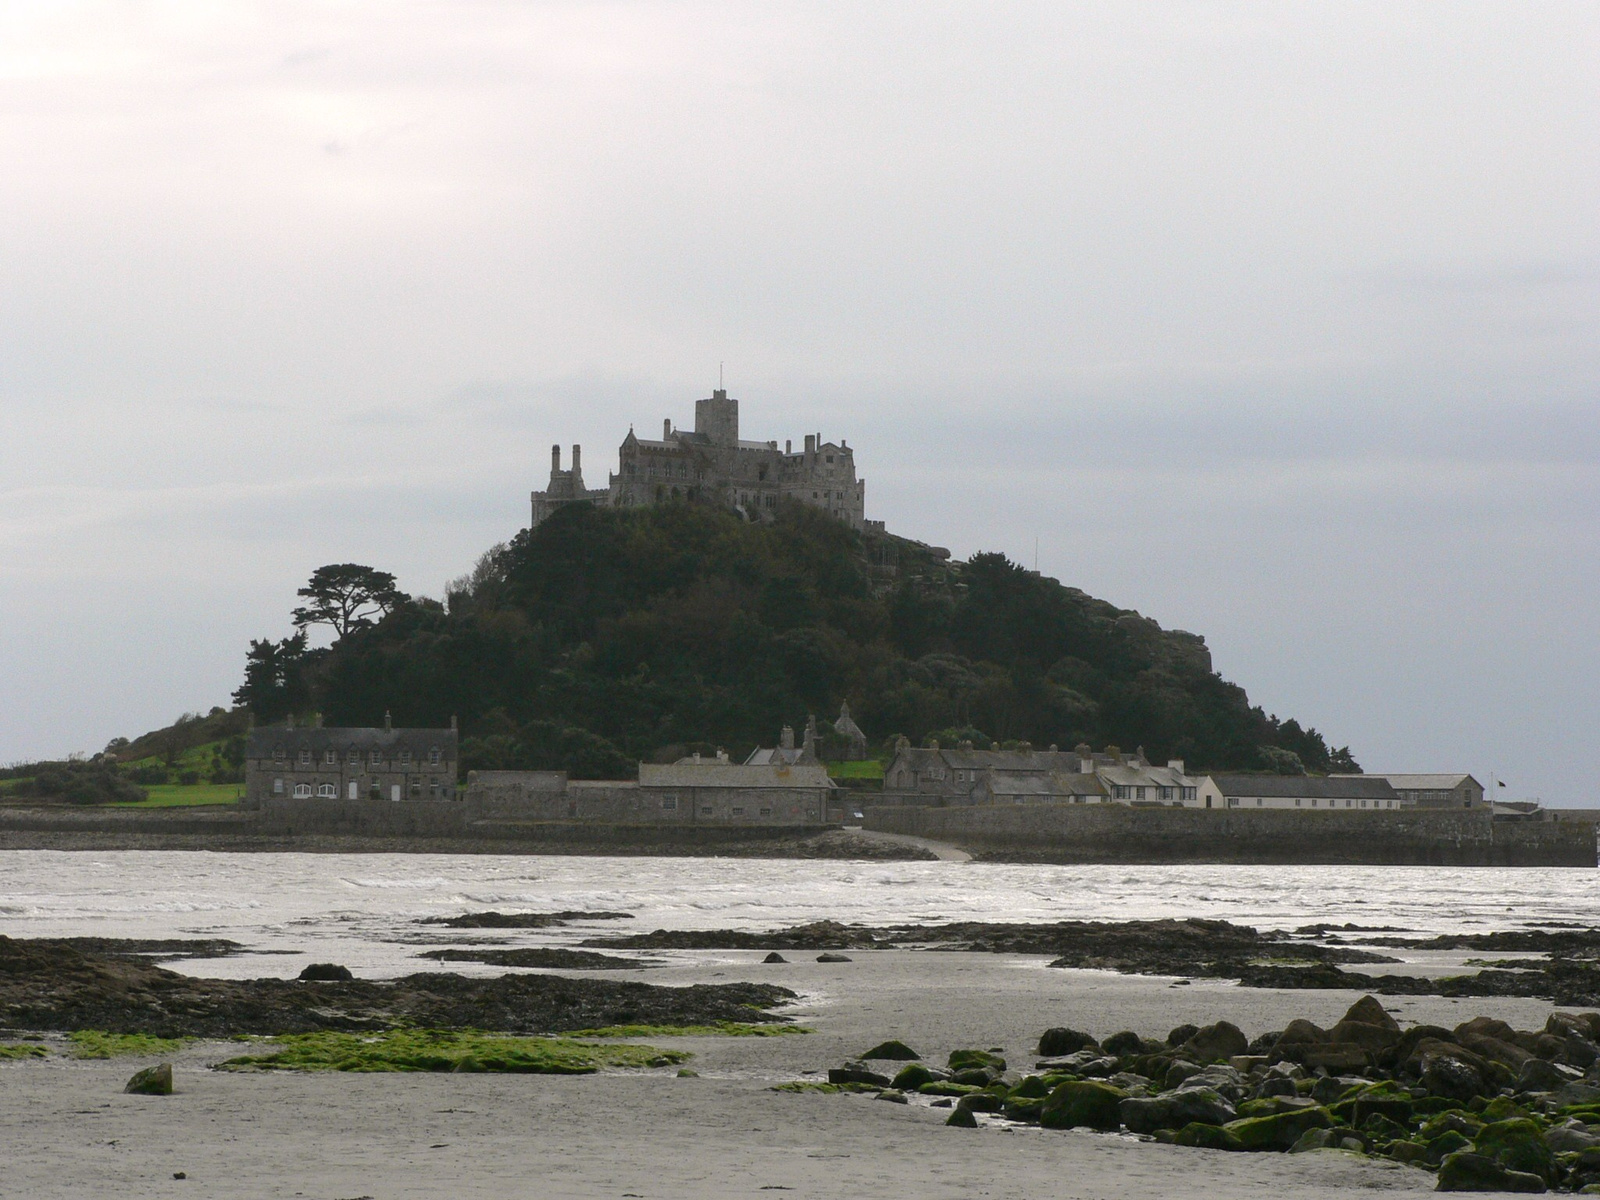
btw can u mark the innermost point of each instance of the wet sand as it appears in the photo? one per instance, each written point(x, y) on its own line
point(68, 1131)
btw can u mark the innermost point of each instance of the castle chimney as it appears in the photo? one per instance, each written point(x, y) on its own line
point(388, 725)
point(577, 461)
point(811, 443)
point(786, 738)
point(666, 429)
point(788, 445)
point(555, 459)
point(453, 728)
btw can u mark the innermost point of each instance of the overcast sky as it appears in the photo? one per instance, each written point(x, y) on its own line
point(1276, 322)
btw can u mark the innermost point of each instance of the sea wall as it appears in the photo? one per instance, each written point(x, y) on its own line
point(1106, 833)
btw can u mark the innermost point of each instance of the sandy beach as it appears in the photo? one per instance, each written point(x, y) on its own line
point(69, 1131)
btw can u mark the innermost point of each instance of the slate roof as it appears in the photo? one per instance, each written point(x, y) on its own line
point(1057, 783)
point(1421, 783)
point(1333, 787)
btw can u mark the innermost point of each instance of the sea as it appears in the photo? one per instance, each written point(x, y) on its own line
point(365, 910)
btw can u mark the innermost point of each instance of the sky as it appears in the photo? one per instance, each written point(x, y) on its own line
point(1276, 322)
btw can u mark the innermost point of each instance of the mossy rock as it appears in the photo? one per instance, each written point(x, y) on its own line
point(1023, 1110)
point(1031, 1087)
point(1451, 1141)
point(1465, 1171)
point(962, 1060)
point(912, 1076)
point(892, 1049)
point(1278, 1132)
point(1059, 1041)
point(1518, 1145)
point(984, 1102)
point(1403, 1150)
point(1207, 1137)
point(974, 1076)
point(962, 1118)
point(1443, 1123)
point(943, 1087)
point(1083, 1103)
point(1381, 1128)
point(1502, 1108)
point(152, 1081)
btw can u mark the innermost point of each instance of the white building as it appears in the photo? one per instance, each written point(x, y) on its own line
point(1305, 792)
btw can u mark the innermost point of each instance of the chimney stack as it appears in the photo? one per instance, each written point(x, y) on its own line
point(811, 443)
point(555, 459)
point(577, 460)
point(453, 723)
point(388, 725)
point(666, 429)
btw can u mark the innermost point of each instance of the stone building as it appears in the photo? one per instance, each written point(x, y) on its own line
point(282, 762)
point(713, 463)
point(965, 775)
point(1432, 791)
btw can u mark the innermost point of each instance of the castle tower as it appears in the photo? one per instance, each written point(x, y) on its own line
point(717, 419)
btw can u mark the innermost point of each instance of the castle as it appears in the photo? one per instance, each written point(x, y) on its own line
point(713, 464)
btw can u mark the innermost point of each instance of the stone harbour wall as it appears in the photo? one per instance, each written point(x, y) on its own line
point(1112, 833)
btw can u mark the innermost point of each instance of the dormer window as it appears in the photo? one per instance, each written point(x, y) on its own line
point(377, 758)
point(354, 756)
point(405, 757)
point(277, 753)
point(433, 756)
point(305, 758)
point(330, 756)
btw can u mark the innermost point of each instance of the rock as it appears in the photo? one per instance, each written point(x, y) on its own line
point(893, 1097)
point(1576, 1093)
point(1315, 1139)
point(1099, 1068)
point(152, 1081)
point(1084, 1102)
point(1371, 1038)
point(180, 1174)
point(1406, 1049)
point(910, 1078)
point(1332, 1087)
point(942, 1102)
point(1126, 1042)
point(774, 957)
point(1404, 1151)
point(1447, 1122)
point(1130, 1082)
point(1451, 1077)
point(975, 1076)
point(892, 1049)
point(1338, 1058)
point(856, 1072)
point(1446, 1144)
point(1278, 1132)
point(1518, 1145)
point(1181, 1034)
point(1176, 1109)
point(1276, 1085)
point(1299, 1032)
point(834, 958)
point(1179, 1071)
point(326, 973)
point(962, 1118)
point(1270, 1105)
point(1217, 1042)
point(984, 1102)
point(1207, 1137)
point(1495, 1050)
point(1367, 1011)
point(960, 1060)
point(1537, 1075)
point(1571, 1137)
point(1465, 1171)
point(1061, 1040)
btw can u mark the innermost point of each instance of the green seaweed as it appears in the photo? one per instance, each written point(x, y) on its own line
point(715, 1029)
point(450, 1050)
point(96, 1043)
point(826, 1089)
point(13, 1050)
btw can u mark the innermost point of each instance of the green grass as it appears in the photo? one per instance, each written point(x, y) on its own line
point(451, 1050)
point(176, 795)
point(10, 1050)
point(717, 1029)
point(870, 769)
point(95, 1043)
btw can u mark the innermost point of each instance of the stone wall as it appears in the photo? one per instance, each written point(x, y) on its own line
point(1114, 833)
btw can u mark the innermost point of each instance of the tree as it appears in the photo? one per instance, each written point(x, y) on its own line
point(274, 684)
point(347, 596)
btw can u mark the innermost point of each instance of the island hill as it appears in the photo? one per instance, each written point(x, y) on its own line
point(663, 626)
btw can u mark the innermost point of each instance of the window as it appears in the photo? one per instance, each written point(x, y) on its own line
point(277, 787)
point(354, 757)
point(1297, 801)
point(669, 804)
point(327, 791)
point(1233, 802)
point(416, 785)
point(377, 758)
point(277, 753)
point(738, 812)
point(766, 812)
point(1313, 802)
point(1258, 802)
point(405, 757)
point(1166, 793)
point(433, 756)
point(705, 810)
point(330, 756)
point(302, 791)
point(305, 758)
point(1363, 804)
point(1123, 792)
point(1188, 793)
point(1141, 792)
point(1349, 803)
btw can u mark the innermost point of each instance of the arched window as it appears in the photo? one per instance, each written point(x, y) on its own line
point(328, 792)
point(302, 791)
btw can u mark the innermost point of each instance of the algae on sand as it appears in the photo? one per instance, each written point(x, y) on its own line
point(11, 1050)
point(96, 1043)
point(451, 1050)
